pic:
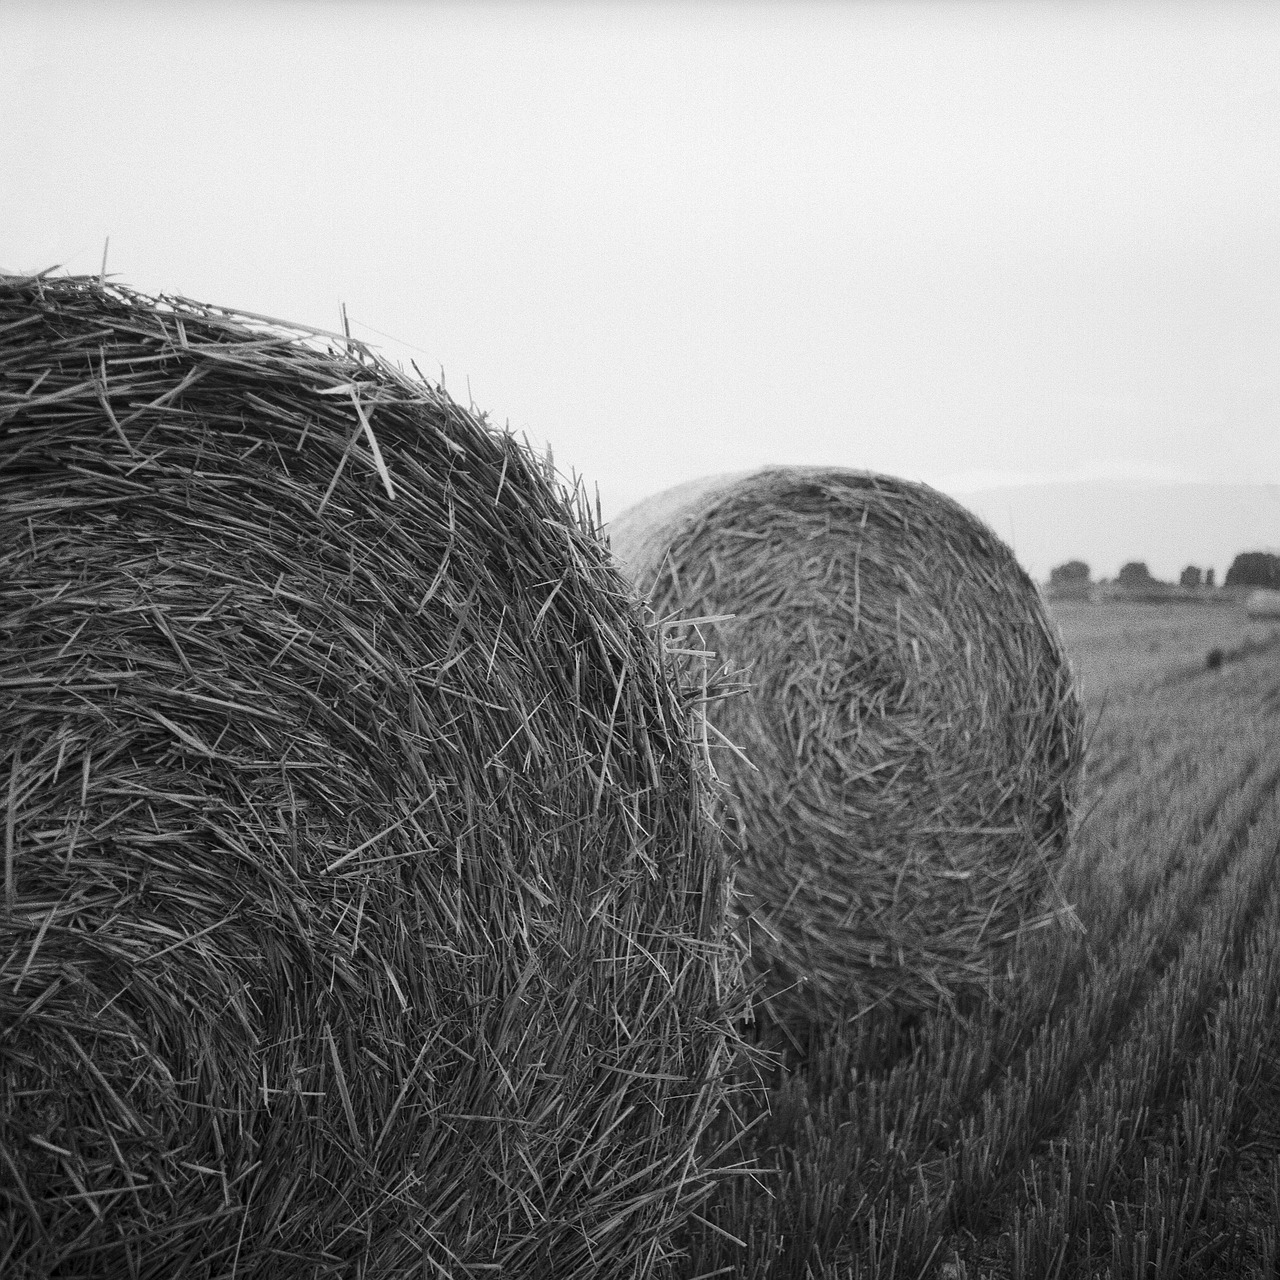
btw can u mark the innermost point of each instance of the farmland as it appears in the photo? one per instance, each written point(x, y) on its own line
point(1113, 1108)
point(1116, 647)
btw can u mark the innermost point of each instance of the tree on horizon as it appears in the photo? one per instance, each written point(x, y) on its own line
point(1073, 572)
point(1135, 574)
point(1254, 569)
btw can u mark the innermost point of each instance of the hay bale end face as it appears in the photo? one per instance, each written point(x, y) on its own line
point(911, 734)
point(361, 914)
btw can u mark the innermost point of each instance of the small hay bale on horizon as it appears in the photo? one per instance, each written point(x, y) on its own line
point(1262, 603)
point(909, 742)
point(362, 910)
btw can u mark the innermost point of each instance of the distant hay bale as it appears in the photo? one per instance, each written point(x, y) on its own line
point(1263, 603)
point(911, 720)
point(362, 911)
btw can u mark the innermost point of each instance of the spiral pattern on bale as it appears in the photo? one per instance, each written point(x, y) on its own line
point(909, 741)
point(362, 912)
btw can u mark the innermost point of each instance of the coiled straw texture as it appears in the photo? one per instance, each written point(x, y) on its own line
point(909, 742)
point(361, 913)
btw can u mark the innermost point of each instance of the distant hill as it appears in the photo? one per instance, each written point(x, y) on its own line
point(1107, 523)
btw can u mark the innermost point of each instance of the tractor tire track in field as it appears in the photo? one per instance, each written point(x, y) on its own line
point(1153, 981)
point(1123, 974)
point(1100, 1114)
point(1109, 977)
point(1099, 1153)
point(1137, 732)
point(1149, 1136)
point(1028, 1105)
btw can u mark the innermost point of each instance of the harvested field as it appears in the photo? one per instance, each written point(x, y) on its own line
point(361, 912)
point(1115, 1113)
point(1118, 645)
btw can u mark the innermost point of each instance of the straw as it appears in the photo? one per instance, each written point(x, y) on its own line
point(364, 915)
point(911, 734)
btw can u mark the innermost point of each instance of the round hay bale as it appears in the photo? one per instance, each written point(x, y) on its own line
point(910, 737)
point(1263, 603)
point(362, 910)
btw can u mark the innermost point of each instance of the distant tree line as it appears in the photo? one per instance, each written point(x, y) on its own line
point(1248, 569)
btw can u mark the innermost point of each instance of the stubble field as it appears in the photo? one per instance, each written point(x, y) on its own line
point(1113, 1110)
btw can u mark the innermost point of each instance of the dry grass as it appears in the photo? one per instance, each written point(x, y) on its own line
point(361, 912)
point(911, 737)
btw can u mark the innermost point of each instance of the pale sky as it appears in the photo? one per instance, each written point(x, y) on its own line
point(970, 244)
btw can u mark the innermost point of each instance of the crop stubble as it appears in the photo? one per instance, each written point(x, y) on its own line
point(1114, 1111)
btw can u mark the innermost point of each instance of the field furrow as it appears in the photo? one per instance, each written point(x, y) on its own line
point(1113, 1109)
point(1101, 1153)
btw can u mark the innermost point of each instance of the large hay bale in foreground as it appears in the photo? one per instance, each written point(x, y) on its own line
point(361, 912)
point(911, 734)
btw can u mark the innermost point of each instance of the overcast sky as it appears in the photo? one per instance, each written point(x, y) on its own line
point(970, 244)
